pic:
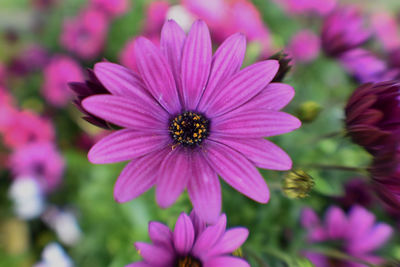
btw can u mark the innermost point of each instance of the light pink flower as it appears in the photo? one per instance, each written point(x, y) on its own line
point(85, 35)
point(114, 8)
point(57, 74)
point(38, 160)
point(318, 7)
point(386, 29)
point(304, 46)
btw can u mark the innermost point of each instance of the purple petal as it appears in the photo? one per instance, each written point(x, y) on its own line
point(263, 153)
point(138, 176)
point(336, 222)
point(243, 86)
point(254, 124)
point(376, 238)
point(138, 264)
point(157, 75)
point(204, 190)
point(226, 61)
point(208, 238)
point(160, 234)
point(237, 171)
point(230, 241)
point(125, 145)
point(173, 177)
point(274, 97)
point(360, 222)
point(127, 113)
point(196, 64)
point(172, 41)
point(122, 81)
point(226, 261)
point(198, 223)
point(155, 255)
point(183, 234)
point(309, 219)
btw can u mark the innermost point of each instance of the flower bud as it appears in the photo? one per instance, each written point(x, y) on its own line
point(297, 184)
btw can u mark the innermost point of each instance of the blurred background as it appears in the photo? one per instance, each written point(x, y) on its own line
point(57, 209)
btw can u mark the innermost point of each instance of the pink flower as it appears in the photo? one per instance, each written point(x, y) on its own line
point(38, 160)
point(85, 35)
point(357, 233)
point(304, 46)
point(192, 243)
point(319, 7)
point(188, 116)
point(26, 127)
point(226, 17)
point(57, 74)
point(387, 30)
point(7, 109)
point(113, 8)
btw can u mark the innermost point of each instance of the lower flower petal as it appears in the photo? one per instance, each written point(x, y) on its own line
point(263, 153)
point(160, 234)
point(336, 223)
point(174, 174)
point(226, 261)
point(138, 176)
point(230, 241)
point(237, 171)
point(125, 145)
point(378, 236)
point(204, 190)
point(183, 234)
point(138, 264)
point(155, 255)
point(254, 124)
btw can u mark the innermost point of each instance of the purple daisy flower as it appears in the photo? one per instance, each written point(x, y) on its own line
point(188, 116)
point(192, 243)
point(357, 235)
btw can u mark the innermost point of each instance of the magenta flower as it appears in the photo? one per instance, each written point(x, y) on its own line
point(226, 17)
point(57, 74)
point(343, 30)
point(26, 127)
point(357, 234)
point(113, 8)
point(318, 7)
point(38, 160)
point(192, 243)
point(85, 35)
point(188, 116)
point(304, 46)
point(386, 29)
point(30, 59)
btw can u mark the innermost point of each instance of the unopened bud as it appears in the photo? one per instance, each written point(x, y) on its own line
point(308, 111)
point(284, 66)
point(297, 184)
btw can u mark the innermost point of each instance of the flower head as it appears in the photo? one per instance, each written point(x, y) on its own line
point(386, 29)
point(356, 234)
point(188, 116)
point(373, 115)
point(41, 161)
point(343, 30)
point(85, 34)
point(304, 46)
point(307, 6)
point(192, 244)
point(57, 74)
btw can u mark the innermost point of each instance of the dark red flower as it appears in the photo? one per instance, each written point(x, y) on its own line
point(92, 86)
point(373, 115)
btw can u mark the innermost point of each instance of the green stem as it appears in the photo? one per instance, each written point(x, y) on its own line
point(341, 256)
point(362, 170)
point(279, 255)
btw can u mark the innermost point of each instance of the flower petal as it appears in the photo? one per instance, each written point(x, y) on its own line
point(226, 261)
point(263, 153)
point(157, 75)
point(361, 222)
point(226, 61)
point(336, 223)
point(254, 124)
point(376, 238)
point(204, 190)
point(138, 264)
point(160, 234)
point(208, 238)
point(183, 234)
point(125, 145)
point(122, 81)
point(171, 44)
point(242, 86)
point(237, 171)
point(138, 176)
point(127, 113)
point(173, 177)
point(196, 64)
point(309, 219)
point(155, 255)
point(274, 97)
point(230, 241)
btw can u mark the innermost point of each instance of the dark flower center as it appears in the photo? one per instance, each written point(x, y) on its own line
point(188, 261)
point(189, 129)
